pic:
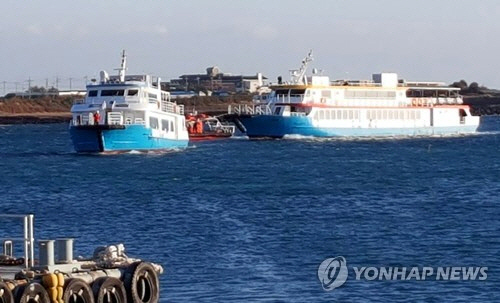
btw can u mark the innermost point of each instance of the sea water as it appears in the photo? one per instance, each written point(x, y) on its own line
point(247, 221)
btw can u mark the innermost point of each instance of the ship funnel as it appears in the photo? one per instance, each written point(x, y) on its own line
point(104, 76)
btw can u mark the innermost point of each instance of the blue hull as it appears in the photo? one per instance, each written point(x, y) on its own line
point(279, 126)
point(131, 137)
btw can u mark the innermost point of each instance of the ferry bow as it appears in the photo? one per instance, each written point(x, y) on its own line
point(122, 113)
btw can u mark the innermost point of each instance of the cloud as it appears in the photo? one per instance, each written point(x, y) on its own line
point(265, 32)
point(34, 29)
point(158, 29)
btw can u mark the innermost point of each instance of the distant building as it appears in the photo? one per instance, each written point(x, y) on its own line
point(216, 81)
point(30, 95)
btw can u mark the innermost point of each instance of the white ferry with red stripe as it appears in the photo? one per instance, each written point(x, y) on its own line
point(383, 106)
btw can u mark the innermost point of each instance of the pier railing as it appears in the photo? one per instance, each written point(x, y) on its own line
point(28, 239)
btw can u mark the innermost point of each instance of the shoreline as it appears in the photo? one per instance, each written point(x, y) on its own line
point(35, 118)
point(480, 106)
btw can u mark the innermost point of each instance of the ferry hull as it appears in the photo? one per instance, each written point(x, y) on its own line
point(131, 137)
point(262, 126)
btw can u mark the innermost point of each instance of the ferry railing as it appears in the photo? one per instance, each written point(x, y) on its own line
point(115, 118)
point(28, 239)
point(172, 107)
point(245, 109)
point(296, 98)
point(180, 109)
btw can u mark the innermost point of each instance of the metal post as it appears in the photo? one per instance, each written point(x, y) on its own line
point(26, 241)
point(32, 241)
point(46, 251)
point(64, 250)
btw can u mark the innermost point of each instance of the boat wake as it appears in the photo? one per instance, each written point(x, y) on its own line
point(386, 138)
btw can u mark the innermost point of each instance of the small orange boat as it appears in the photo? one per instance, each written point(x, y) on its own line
point(204, 127)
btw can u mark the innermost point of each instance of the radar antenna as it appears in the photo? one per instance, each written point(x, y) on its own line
point(123, 67)
point(299, 75)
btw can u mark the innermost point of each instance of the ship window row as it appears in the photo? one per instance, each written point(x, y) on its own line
point(339, 114)
point(380, 114)
point(430, 93)
point(375, 114)
point(369, 94)
point(166, 125)
point(112, 92)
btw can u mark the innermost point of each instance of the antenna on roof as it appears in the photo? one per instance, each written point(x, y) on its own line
point(299, 75)
point(123, 67)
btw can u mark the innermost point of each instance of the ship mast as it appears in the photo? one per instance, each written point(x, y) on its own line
point(123, 67)
point(299, 75)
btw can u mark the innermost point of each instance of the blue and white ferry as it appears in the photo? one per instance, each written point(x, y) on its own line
point(383, 106)
point(123, 113)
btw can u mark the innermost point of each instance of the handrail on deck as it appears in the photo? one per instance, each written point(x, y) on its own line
point(29, 240)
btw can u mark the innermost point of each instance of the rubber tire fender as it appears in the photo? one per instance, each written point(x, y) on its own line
point(109, 290)
point(142, 284)
point(33, 292)
point(77, 291)
point(6, 295)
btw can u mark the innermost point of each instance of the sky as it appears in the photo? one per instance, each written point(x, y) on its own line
point(424, 40)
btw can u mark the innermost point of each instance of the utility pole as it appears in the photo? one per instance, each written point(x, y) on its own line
point(57, 83)
point(70, 79)
point(3, 82)
point(46, 84)
point(29, 87)
point(16, 83)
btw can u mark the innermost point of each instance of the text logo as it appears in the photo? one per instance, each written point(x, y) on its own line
point(332, 273)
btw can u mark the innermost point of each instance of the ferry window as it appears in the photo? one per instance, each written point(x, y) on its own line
point(379, 115)
point(112, 92)
point(442, 93)
point(351, 115)
point(171, 126)
point(153, 122)
point(92, 93)
point(132, 92)
point(321, 114)
point(356, 115)
point(282, 92)
point(418, 115)
point(333, 114)
point(327, 114)
point(326, 94)
point(277, 110)
point(297, 91)
point(429, 93)
point(164, 125)
point(152, 96)
point(344, 114)
point(384, 115)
